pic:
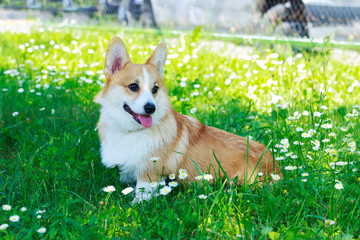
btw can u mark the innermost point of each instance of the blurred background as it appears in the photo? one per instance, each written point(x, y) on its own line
point(340, 20)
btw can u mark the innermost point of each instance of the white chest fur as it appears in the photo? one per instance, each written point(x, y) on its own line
point(129, 151)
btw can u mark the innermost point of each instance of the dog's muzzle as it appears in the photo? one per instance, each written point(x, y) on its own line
point(145, 120)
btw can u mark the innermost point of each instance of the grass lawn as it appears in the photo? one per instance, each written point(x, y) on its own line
point(303, 104)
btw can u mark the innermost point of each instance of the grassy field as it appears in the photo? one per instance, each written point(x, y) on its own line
point(304, 104)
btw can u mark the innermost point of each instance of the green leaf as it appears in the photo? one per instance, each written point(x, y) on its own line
point(289, 235)
point(274, 235)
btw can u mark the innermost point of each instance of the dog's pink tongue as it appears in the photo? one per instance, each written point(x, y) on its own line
point(145, 120)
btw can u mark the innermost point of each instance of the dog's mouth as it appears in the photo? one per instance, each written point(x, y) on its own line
point(145, 120)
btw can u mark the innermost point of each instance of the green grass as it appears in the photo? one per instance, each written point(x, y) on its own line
point(49, 151)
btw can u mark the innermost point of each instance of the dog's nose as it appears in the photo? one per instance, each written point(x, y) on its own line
point(149, 108)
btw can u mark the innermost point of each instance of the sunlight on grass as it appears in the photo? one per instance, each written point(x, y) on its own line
point(305, 103)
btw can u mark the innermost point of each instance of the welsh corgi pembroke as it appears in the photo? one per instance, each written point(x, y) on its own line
point(137, 123)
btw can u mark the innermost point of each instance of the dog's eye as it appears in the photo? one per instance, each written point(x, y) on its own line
point(155, 89)
point(133, 87)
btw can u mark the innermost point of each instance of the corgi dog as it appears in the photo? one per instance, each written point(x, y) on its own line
point(137, 123)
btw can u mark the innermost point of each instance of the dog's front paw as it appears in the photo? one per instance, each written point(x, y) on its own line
point(144, 191)
point(141, 197)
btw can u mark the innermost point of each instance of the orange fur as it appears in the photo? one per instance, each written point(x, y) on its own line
point(198, 142)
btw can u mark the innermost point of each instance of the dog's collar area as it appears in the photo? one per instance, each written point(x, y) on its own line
point(145, 120)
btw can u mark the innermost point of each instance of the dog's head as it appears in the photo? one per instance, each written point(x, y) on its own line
point(134, 95)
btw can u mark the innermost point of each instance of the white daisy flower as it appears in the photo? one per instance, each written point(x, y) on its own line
point(339, 186)
point(311, 132)
point(326, 126)
point(316, 143)
point(41, 230)
point(317, 114)
point(283, 150)
point(198, 177)
point(173, 184)
point(286, 145)
point(40, 211)
point(290, 168)
point(6, 207)
point(109, 189)
point(154, 159)
point(352, 149)
point(297, 115)
point(341, 163)
point(327, 150)
point(332, 134)
point(329, 222)
point(14, 218)
point(183, 175)
point(165, 190)
point(208, 177)
point(299, 129)
point(275, 177)
point(202, 196)
point(305, 135)
point(289, 154)
point(127, 190)
point(4, 226)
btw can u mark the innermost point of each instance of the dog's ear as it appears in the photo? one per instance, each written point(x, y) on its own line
point(116, 57)
point(158, 57)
